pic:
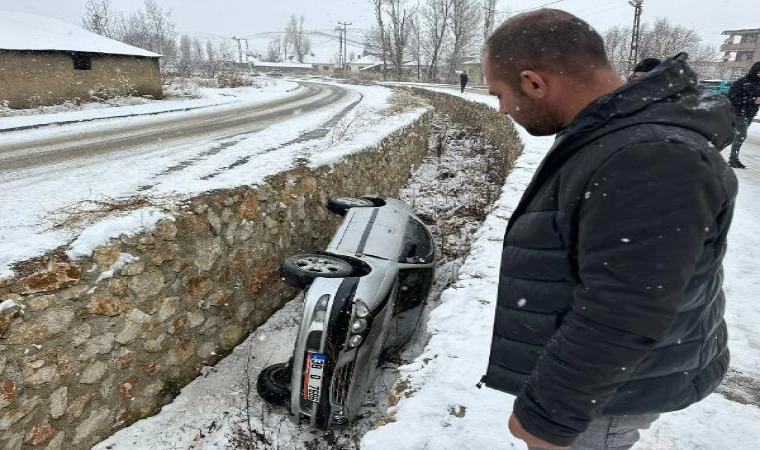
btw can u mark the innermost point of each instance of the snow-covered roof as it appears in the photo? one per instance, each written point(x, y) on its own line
point(366, 60)
point(471, 62)
point(283, 65)
point(19, 31)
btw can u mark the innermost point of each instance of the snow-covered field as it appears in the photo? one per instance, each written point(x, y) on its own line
point(35, 200)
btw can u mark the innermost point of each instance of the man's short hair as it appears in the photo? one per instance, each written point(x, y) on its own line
point(549, 40)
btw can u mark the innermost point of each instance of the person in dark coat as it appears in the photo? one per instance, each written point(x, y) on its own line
point(643, 67)
point(463, 78)
point(610, 302)
point(745, 98)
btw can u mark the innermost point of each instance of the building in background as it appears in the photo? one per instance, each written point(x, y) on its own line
point(740, 51)
point(45, 62)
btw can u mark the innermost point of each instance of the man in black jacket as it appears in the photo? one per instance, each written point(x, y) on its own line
point(745, 98)
point(610, 302)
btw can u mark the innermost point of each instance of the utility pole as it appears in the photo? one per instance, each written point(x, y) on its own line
point(345, 36)
point(240, 48)
point(340, 48)
point(633, 56)
point(488, 22)
point(246, 50)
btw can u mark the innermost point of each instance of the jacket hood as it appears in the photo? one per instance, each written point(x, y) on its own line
point(754, 71)
point(667, 95)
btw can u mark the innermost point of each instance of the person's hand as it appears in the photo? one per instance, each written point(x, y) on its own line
point(757, 100)
point(519, 432)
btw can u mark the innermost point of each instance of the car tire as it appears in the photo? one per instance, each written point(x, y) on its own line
point(341, 205)
point(273, 384)
point(301, 270)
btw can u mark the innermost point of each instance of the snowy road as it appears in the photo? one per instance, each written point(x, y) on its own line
point(119, 137)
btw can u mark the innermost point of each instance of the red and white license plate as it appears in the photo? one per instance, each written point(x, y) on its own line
point(312, 376)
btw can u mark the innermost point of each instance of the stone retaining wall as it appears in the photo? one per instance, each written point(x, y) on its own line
point(82, 355)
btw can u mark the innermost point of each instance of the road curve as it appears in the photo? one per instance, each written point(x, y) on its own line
point(142, 136)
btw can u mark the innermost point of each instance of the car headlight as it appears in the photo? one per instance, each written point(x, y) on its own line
point(358, 325)
point(355, 340)
point(360, 309)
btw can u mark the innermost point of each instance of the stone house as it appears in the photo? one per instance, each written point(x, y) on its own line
point(45, 62)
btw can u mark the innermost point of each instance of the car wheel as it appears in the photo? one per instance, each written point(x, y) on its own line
point(273, 384)
point(341, 205)
point(300, 270)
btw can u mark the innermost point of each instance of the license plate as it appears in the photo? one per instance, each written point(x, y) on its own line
point(312, 376)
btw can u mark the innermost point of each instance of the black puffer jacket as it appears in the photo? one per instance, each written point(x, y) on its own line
point(745, 91)
point(610, 298)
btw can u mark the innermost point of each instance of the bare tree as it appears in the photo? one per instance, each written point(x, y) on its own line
point(296, 38)
point(185, 55)
point(435, 21)
point(399, 29)
point(197, 53)
point(98, 17)
point(465, 31)
point(380, 31)
point(659, 40)
point(488, 18)
point(274, 51)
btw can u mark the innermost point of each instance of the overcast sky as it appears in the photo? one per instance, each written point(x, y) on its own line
point(227, 18)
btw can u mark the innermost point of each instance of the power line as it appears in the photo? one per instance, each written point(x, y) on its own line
point(538, 7)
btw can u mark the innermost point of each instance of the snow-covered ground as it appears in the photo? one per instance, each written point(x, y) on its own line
point(36, 200)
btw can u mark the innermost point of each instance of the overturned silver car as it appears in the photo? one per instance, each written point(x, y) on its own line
point(363, 300)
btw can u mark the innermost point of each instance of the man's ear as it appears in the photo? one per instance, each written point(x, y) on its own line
point(533, 84)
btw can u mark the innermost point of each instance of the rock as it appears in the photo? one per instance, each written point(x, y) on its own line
point(74, 292)
point(122, 417)
point(177, 324)
point(77, 407)
point(118, 286)
point(244, 231)
point(133, 269)
point(106, 305)
point(7, 316)
point(168, 308)
point(206, 350)
point(146, 285)
point(126, 387)
point(181, 352)
point(97, 422)
point(7, 393)
point(161, 255)
point(137, 316)
point(197, 287)
point(272, 225)
point(3, 361)
point(12, 441)
point(41, 303)
point(56, 276)
point(51, 323)
point(124, 358)
point(80, 334)
point(166, 230)
point(194, 227)
point(230, 336)
point(43, 375)
point(57, 442)
point(106, 257)
point(207, 252)
point(58, 401)
point(214, 221)
point(129, 333)
point(39, 434)
point(151, 368)
point(221, 297)
point(98, 345)
point(154, 345)
point(19, 413)
point(93, 372)
point(250, 206)
point(243, 311)
point(194, 319)
point(229, 234)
